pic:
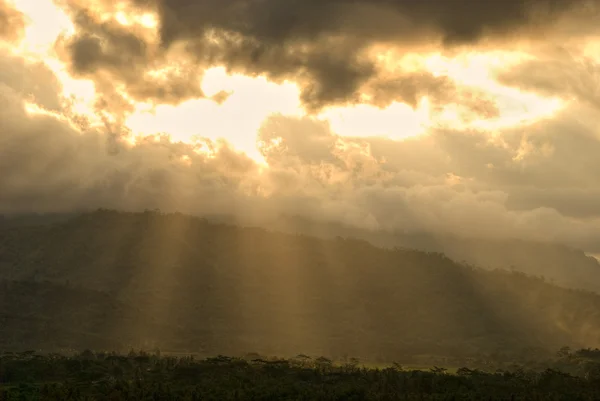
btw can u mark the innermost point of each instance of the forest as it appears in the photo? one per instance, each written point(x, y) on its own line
point(293, 313)
point(150, 376)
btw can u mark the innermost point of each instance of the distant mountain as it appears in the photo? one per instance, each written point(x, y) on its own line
point(109, 279)
point(560, 264)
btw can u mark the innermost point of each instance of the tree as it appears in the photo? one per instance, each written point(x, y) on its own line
point(564, 352)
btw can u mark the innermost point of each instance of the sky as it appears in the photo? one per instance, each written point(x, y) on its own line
point(465, 117)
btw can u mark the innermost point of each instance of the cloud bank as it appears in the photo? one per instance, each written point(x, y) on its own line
point(535, 181)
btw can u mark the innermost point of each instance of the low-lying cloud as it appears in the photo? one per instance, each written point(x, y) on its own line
point(534, 183)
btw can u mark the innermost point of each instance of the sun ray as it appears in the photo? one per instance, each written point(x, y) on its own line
point(235, 105)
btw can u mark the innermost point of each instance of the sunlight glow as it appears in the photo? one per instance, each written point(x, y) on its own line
point(398, 121)
point(146, 20)
point(45, 22)
point(250, 100)
point(34, 109)
point(237, 119)
point(592, 49)
point(477, 71)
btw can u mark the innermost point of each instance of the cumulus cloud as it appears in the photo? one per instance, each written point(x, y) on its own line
point(459, 183)
point(276, 22)
point(325, 46)
point(446, 182)
point(26, 78)
point(559, 72)
point(124, 66)
point(12, 22)
point(536, 181)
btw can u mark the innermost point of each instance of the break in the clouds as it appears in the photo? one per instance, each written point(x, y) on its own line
point(325, 46)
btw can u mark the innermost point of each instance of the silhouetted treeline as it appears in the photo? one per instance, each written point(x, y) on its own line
point(148, 376)
point(114, 280)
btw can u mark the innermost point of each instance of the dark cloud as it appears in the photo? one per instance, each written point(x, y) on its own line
point(323, 45)
point(408, 88)
point(283, 22)
point(12, 22)
point(335, 32)
point(112, 54)
point(411, 87)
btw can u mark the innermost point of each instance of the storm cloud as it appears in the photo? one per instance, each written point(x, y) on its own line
point(279, 22)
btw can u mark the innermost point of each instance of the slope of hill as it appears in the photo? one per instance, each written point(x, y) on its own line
point(181, 283)
point(43, 315)
point(34, 219)
point(563, 265)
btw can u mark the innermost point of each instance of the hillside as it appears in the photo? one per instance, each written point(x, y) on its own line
point(563, 265)
point(182, 283)
point(559, 264)
point(43, 315)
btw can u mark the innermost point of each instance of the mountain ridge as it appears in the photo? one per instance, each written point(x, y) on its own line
point(187, 284)
point(563, 265)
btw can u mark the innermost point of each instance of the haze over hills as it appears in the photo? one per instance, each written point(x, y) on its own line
point(559, 264)
point(115, 280)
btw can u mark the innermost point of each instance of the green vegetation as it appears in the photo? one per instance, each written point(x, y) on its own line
point(149, 376)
